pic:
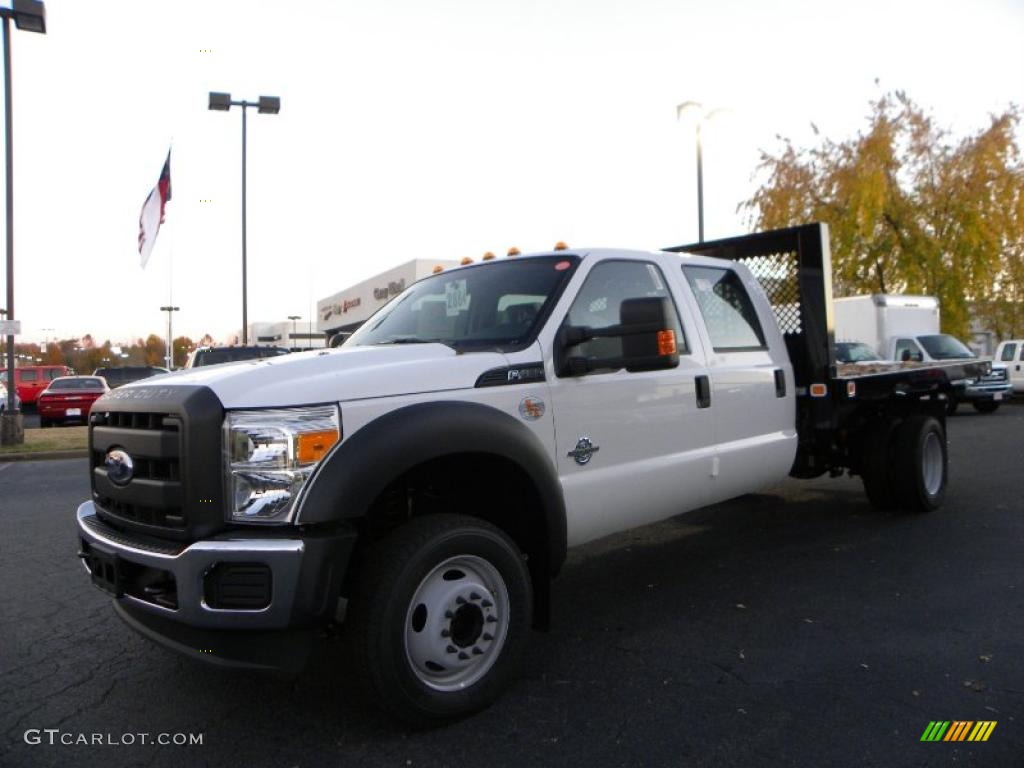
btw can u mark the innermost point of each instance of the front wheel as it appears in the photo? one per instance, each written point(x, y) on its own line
point(985, 406)
point(921, 464)
point(438, 617)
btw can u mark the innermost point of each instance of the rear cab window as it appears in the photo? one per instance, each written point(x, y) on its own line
point(729, 315)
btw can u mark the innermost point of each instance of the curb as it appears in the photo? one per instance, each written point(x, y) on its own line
point(43, 455)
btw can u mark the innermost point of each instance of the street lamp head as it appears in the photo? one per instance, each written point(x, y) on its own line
point(220, 102)
point(294, 317)
point(29, 15)
point(687, 106)
point(268, 105)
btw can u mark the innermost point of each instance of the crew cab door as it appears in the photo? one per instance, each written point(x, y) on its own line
point(749, 370)
point(631, 447)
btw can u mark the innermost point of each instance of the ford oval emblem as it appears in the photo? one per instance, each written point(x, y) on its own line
point(119, 466)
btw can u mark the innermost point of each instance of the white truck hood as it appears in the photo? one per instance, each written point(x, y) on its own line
point(336, 375)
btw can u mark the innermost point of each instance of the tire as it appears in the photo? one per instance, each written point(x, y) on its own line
point(877, 467)
point(43, 423)
point(985, 406)
point(951, 405)
point(922, 464)
point(438, 618)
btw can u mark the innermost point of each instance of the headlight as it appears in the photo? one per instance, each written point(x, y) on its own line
point(269, 455)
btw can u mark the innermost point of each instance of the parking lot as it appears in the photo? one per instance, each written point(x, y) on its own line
point(795, 627)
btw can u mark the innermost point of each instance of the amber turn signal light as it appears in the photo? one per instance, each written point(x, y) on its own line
point(312, 446)
point(667, 342)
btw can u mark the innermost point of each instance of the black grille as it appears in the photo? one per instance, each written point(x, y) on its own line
point(172, 435)
point(153, 497)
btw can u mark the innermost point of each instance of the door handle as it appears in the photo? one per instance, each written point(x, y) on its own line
point(703, 392)
point(780, 383)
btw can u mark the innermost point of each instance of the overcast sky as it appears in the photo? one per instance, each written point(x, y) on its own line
point(429, 129)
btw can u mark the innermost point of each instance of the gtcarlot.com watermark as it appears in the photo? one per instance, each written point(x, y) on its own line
point(55, 736)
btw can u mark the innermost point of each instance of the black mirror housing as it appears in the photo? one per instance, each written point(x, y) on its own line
point(648, 340)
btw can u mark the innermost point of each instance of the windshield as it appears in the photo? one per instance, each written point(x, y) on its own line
point(854, 352)
point(497, 305)
point(942, 346)
point(88, 383)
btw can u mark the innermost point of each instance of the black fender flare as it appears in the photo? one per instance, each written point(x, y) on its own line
point(361, 467)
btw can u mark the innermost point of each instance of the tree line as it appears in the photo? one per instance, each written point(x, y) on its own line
point(912, 209)
point(86, 354)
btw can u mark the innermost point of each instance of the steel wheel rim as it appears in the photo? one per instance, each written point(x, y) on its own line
point(931, 459)
point(457, 623)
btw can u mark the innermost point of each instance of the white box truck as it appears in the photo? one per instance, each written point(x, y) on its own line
point(905, 328)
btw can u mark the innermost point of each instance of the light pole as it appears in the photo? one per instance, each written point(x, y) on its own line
point(29, 15)
point(266, 105)
point(704, 116)
point(293, 318)
point(170, 337)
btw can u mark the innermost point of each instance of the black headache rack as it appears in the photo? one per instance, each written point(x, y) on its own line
point(794, 268)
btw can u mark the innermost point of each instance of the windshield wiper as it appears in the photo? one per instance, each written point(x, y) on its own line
point(413, 340)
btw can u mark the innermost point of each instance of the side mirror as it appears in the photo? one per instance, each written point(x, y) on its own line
point(648, 340)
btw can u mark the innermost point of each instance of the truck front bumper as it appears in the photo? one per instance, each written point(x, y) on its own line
point(218, 599)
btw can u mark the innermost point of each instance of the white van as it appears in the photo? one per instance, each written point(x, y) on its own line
point(1011, 353)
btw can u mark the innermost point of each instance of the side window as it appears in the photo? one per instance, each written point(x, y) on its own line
point(1022, 353)
point(28, 375)
point(53, 373)
point(908, 351)
point(1008, 352)
point(600, 298)
point(729, 315)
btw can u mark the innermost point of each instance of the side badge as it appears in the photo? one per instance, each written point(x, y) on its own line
point(531, 408)
point(585, 448)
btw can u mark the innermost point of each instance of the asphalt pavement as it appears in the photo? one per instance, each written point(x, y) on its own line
point(795, 627)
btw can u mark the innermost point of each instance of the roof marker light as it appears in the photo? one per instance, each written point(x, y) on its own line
point(465, 260)
point(488, 256)
point(561, 246)
point(513, 251)
point(438, 268)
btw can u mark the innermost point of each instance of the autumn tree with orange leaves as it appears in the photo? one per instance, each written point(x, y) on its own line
point(911, 209)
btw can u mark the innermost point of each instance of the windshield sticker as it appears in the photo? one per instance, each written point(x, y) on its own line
point(531, 408)
point(562, 265)
point(456, 297)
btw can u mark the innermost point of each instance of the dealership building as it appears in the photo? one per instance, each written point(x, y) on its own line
point(346, 310)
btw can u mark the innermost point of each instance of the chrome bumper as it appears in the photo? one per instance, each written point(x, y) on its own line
point(189, 564)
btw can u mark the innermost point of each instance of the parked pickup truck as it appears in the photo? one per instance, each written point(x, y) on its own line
point(906, 328)
point(421, 484)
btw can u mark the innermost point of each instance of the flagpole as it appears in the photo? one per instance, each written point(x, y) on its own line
point(170, 298)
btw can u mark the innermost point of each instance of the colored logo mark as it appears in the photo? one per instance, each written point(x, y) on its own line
point(958, 730)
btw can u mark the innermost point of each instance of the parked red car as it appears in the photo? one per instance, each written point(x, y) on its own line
point(31, 380)
point(69, 399)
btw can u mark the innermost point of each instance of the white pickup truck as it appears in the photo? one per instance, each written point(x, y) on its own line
point(421, 484)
